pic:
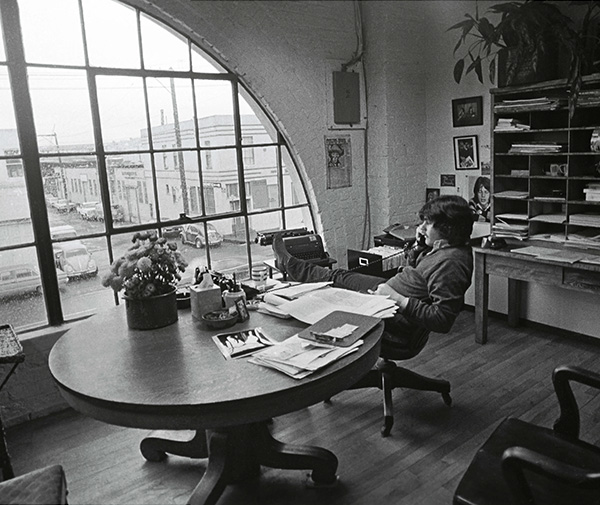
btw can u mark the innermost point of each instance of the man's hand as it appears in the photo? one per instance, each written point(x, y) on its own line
point(386, 290)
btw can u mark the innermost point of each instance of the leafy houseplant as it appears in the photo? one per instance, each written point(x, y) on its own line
point(528, 34)
point(148, 272)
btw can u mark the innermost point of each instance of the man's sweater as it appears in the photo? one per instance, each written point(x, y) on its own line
point(435, 287)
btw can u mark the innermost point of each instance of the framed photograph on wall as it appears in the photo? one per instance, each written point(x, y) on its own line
point(467, 111)
point(466, 153)
point(431, 194)
point(447, 180)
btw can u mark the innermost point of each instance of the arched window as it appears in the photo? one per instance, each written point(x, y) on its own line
point(113, 122)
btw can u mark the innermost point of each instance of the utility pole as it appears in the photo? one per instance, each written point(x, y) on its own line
point(183, 183)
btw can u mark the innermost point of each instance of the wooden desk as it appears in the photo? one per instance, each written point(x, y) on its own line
point(521, 268)
point(175, 378)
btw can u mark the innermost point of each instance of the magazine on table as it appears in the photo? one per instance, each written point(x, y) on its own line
point(242, 343)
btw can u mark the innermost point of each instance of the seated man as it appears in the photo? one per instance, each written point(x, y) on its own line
point(430, 292)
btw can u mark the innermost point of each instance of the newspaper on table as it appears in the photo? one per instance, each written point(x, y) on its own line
point(299, 358)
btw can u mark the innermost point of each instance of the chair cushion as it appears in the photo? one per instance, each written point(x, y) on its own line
point(44, 487)
point(483, 483)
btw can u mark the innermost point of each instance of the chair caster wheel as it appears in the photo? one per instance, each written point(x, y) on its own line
point(447, 399)
point(388, 422)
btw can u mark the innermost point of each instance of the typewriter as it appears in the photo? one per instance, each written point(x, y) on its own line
point(300, 243)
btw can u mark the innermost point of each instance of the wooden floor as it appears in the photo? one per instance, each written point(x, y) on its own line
point(420, 463)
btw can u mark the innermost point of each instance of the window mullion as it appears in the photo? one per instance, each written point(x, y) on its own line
point(9, 12)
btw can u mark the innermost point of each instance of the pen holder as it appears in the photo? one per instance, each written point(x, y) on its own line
point(204, 300)
point(230, 297)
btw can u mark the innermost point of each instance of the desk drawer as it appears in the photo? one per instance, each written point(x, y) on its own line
point(582, 280)
point(523, 270)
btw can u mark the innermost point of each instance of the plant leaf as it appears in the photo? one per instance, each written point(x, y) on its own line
point(486, 29)
point(478, 70)
point(492, 70)
point(458, 70)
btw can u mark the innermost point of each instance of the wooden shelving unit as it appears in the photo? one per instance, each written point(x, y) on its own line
point(550, 206)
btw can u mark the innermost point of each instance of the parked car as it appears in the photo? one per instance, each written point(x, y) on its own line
point(74, 259)
point(63, 205)
point(118, 214)
point(62, 231)
point(87, 210)
point(194, 234)
point(18, 280)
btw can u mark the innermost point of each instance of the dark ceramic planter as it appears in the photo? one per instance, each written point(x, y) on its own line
point(152, 312)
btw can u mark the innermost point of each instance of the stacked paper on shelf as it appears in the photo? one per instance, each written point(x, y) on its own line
point(592, 192)
point(505, 229)
point(317, 304)
point(529, 104)
point(512, 215)
point(589, 98)
point(534, 147)
point(519, 173)
point(508, 124)
point(511, 194)
point(585, 219)
point(549, 218)
point(585, 236)
point(299, 358)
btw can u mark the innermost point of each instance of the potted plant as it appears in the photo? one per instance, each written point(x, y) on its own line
point(525, 41)
point(148, 273)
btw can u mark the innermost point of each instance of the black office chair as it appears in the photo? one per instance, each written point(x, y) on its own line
point(522, 463)
point(387, 375)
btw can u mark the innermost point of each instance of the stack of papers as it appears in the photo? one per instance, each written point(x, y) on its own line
point(536, 147)
point(512, 194)
point(298, 358)
point(317, 304)
point(585, 219)
point(529, 104)
point(506, 229)
point(509, 124)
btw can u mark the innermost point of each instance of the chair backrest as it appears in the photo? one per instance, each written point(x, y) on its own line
point(391, 348)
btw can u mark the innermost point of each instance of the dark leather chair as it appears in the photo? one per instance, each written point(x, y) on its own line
point(387, 375)
point(522, 463)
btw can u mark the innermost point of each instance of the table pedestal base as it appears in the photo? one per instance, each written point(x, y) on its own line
point(236, 453)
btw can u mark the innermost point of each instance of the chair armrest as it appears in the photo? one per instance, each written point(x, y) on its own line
point(517, 459)
point(568, 423)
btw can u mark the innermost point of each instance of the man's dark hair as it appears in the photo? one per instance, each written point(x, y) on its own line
point(451, 215)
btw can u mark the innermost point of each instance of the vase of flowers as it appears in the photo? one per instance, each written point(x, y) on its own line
point(148, 273)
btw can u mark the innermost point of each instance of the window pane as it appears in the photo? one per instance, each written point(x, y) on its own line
point(178, 184)
point(299, 218)
point(51, 31)
point(215, 112)
point(218, 182)
point(131, 189)
point(171, 112)
point(122, 112)
point(259, 224)
point(292, 185)
point(84, 262)
point(121, 48)
point(9, 142)
point(61, 108)
point(202, 62)
point(228, 253)
point(15, 218)
point(255, 123)
point(21, 289)
point(2, 52)
point(163, 48)
point(262, 186)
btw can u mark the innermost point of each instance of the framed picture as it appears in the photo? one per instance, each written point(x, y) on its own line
point(431, 194)
point(467, 111)
point(447, 180)
point(242, 310)
point(466, 155)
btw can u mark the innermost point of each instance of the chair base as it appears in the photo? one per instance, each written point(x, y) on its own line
point(388, 375)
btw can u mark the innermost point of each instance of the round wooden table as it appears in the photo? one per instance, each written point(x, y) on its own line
point(175, 378)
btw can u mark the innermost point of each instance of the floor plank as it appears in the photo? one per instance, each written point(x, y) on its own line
point(420, 463)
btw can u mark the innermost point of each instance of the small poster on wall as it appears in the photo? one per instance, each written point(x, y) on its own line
point(466, 153)
point(338, 151)
point(447, 180)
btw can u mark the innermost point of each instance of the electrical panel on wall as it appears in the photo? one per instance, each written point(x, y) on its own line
point(346, 104)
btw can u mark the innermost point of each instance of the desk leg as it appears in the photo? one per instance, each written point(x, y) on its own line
point(481, 299)
point(237, 452)
point(154, 448)
point(514, 302)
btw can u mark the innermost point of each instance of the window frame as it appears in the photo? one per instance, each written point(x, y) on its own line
point(30, 155)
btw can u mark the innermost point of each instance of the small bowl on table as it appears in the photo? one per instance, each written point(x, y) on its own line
point(183, 298)
point(220, 319)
